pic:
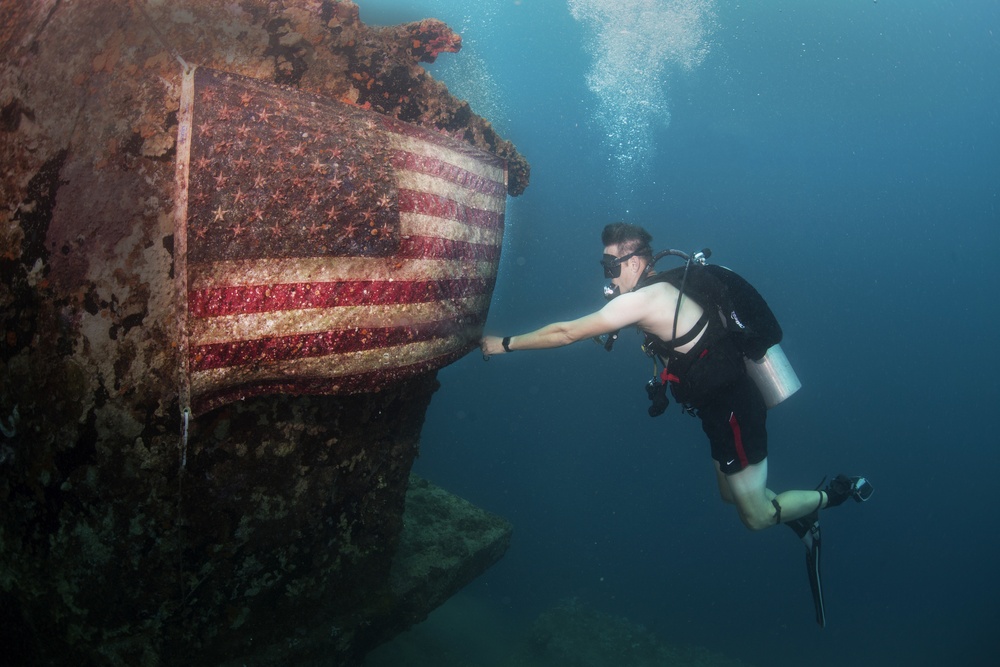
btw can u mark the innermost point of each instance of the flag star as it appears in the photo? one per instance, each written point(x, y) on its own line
point(220, 214)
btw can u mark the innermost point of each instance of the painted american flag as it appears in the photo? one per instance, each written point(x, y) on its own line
point(322, 248)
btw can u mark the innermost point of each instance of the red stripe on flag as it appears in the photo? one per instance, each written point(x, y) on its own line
point(431, 166)
point(244, 299)
point(301, 346)
point(412, 201)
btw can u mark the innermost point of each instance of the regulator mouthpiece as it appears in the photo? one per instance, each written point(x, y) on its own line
point(611, 291)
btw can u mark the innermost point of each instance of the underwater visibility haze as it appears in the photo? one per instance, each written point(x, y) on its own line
point(845, 158)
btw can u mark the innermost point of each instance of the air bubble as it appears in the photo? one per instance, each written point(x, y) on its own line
point(663, 36)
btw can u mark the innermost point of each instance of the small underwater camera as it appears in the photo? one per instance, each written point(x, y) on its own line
point(861, 489)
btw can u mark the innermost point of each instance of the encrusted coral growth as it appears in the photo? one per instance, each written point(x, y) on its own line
point(430, 37)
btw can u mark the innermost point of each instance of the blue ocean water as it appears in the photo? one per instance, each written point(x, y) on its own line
point(844, 157)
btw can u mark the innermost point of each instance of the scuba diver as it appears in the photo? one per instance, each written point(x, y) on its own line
point(702, 326)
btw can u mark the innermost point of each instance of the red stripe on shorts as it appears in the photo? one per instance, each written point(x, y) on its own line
point(738, 440)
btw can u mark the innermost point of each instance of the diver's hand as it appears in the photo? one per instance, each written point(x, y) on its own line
point(491, 345)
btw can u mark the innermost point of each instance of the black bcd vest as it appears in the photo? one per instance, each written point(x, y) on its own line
point(740, 324)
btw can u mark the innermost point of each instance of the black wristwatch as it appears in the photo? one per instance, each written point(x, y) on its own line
point(506, 343)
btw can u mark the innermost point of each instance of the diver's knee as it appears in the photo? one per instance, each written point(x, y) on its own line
point(756, 523)
point(758, 520)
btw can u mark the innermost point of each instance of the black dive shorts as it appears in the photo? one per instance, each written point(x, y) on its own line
point(735, 423)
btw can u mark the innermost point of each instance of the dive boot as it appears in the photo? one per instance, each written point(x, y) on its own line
point(843, 487)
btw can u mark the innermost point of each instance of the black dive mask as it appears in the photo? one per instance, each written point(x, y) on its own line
point(613, 265)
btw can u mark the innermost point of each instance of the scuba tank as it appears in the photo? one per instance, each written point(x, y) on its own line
point(773, 375)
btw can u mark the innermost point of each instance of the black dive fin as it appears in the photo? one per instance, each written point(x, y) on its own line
point(815, 578)
point(807, 528)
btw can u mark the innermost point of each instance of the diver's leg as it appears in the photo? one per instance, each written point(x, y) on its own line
point(797, 504)
point(749, 491)
point(758, 505)
point(720, 478)
point(759, 508)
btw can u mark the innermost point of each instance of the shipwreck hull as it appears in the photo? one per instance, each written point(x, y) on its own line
point(237, 241)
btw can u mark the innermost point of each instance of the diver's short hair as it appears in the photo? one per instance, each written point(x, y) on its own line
point(628, 237)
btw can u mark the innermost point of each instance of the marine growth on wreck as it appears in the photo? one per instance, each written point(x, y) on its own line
point(238, 240)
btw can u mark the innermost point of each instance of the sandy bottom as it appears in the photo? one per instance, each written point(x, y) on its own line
point(463, 631)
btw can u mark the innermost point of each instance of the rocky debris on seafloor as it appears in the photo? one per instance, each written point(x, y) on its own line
point(445, 543)
point(573, 633)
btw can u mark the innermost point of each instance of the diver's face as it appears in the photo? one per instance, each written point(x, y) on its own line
point(623, 268)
